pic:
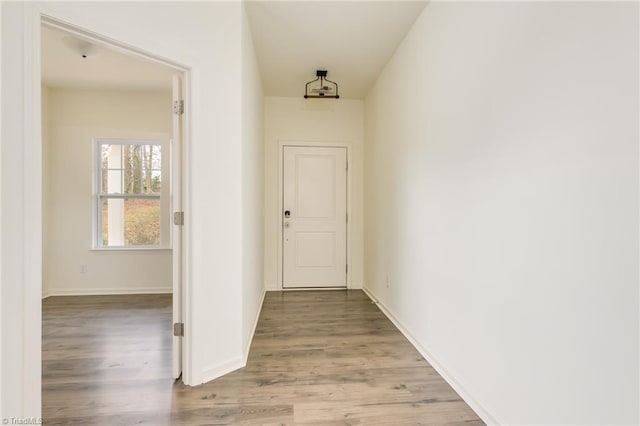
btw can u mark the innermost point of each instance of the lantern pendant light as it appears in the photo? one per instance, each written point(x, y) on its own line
point(321, 87)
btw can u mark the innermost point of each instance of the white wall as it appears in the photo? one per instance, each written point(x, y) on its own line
point(205, 37)
point(76, 118)
point(252, 187)
point(2, 105)
point(20, 385)
point(502, 203)
point(322, 122)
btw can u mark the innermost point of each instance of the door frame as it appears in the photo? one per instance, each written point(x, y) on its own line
point(33, 22)
point(312, 144)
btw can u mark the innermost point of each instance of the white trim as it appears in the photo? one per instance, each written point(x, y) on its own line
point(318, 144)
point(185, 247)
point(130, 141)
point(1, 258)
point(128, 250)
point(247, 346)
point(174, 231)
point(449, 378)
point(213, 372)
point(107, 291)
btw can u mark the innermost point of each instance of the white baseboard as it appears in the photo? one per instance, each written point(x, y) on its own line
point(213, 372)
point(247, 346)
point(106, 291)
point(470, 400)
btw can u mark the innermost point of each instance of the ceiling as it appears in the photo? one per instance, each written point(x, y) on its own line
point(103, 68)
point(352, 40)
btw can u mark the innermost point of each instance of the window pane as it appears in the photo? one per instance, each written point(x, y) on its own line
point(130, 168)
point(156, 180)
point(131, 222)
point(156, 158)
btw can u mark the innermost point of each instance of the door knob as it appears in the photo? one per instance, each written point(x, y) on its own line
point(287, 214)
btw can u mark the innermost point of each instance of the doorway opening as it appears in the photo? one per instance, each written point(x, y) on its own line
point(113, 145)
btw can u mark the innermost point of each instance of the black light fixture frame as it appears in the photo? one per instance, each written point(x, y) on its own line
point(322, 77)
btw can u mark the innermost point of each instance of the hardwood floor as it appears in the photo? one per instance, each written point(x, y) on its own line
point(318, 357)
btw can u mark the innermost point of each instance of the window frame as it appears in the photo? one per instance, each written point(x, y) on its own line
point(99, 196)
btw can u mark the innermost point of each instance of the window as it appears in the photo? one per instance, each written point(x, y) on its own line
point(129, 192)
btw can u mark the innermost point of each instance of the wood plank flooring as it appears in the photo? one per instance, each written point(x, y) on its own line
point(318, 357)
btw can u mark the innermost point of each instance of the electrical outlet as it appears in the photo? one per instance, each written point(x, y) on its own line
point(84, 269)
point(388, 282)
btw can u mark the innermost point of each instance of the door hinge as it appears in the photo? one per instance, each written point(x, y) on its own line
point(347, 168)
point(346, 268)
point(178, 218)
point(347, 217)
point(178, 107)
point(178, 329)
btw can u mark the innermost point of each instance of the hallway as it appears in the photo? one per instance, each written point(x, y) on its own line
point(317, 357)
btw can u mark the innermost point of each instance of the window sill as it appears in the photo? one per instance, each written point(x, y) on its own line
point(131, 249)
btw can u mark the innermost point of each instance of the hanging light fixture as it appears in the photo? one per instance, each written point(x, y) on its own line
point(321, 87)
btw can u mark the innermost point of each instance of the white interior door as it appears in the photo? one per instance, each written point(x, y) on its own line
point(314, 217)
point(176, 233)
